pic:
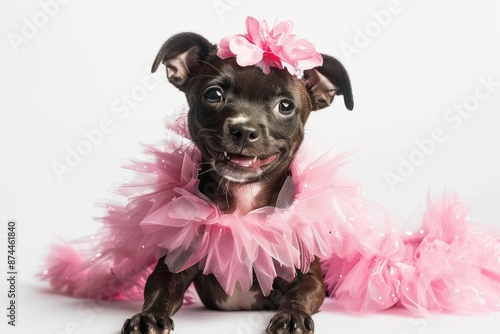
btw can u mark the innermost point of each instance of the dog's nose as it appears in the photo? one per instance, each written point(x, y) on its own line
point(244, 133)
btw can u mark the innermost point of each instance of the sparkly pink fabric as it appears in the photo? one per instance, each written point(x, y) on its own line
point(450, 264)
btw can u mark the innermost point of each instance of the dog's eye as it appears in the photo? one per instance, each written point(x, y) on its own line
point(285, 107)
point(213, 95)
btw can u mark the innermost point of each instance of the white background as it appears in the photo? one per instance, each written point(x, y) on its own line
point(74, 68)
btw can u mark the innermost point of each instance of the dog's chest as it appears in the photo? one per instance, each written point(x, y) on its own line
point(245, 197)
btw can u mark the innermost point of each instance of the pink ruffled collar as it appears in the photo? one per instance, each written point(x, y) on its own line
point(270, 242)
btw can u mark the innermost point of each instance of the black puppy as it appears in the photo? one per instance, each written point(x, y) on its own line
point(248, 126)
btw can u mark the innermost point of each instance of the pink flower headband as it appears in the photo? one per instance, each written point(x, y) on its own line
point(266, 48)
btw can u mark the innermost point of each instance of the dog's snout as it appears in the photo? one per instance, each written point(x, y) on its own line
point(244, 133)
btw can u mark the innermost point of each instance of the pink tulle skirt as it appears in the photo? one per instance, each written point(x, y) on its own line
point(448, 264)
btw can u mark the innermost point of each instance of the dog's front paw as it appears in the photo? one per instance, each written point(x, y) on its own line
point(291, 322)
point(148, 323)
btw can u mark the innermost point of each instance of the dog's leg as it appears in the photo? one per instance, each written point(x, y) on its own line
point(301, 298)
point(163, 296)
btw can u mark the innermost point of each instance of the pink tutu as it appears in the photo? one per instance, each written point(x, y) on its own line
point(448, 265)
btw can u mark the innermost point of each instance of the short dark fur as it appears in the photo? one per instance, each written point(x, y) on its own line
point(240, 113)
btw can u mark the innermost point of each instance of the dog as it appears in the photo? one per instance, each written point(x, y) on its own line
point(248, 127)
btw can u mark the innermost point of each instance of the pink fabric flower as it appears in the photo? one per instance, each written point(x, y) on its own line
point(266, 48)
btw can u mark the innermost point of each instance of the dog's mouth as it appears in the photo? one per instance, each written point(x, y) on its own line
point(241, 168)
point(243, 161)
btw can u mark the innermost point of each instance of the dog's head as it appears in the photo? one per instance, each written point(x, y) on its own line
point(248, 125)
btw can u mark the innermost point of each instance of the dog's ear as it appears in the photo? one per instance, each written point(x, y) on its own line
point(182, 55)
point(328, 80)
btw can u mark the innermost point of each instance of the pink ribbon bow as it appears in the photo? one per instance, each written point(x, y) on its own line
point(266, 48)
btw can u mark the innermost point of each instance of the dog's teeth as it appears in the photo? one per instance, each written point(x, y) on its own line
point(254, 159)
point(225, 155)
